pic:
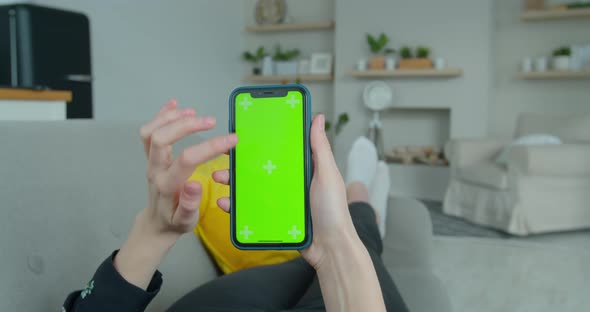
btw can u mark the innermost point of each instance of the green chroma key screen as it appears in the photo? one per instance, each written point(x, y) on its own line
point(269, 169)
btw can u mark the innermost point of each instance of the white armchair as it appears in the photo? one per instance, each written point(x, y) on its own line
point(543, 188)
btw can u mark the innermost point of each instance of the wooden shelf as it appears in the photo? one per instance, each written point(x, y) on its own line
point(289, 78)
point(556, 75)
point(35, 95)
point(407, 73)
point(541, 15)
point(400, 107)
point(304, 26)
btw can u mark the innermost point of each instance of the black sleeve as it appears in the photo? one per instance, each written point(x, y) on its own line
point(109, 291)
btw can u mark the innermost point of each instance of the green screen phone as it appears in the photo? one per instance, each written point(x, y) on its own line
point(270, 167)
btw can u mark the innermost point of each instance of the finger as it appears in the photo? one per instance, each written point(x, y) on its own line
point(163, 138)
point(223, 203)
point(184, 165)
point(187, 212)
point(159, 121)
point(320, 146)
point(145, 131)
point(171, 104)
point(221, 176)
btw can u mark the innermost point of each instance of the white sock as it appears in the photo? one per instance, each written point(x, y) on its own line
point(362, 162)
point(379, 193)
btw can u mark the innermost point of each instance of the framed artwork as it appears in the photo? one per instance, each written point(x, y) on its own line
point(321, 63)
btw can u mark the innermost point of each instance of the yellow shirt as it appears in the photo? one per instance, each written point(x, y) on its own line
point(213, 227)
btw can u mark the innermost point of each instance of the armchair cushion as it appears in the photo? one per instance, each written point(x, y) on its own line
point(568, 160)
point(463, 153)
point(487, 174)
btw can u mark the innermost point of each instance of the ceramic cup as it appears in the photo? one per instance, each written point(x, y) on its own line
point(440, 63)
point(527, 65)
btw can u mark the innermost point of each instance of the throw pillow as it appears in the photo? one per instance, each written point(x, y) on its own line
point(533, 139)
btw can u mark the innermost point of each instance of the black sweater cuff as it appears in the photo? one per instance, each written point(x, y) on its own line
point(109, 291)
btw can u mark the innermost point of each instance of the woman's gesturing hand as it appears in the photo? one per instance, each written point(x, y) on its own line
point(173, 203)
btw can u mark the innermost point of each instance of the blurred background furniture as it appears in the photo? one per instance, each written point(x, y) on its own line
point(541, 189)
point(71, 189)
point(25, 104)
point(46, 48)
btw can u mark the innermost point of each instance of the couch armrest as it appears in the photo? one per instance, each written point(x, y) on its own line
point(462, 153)
point(553, 160)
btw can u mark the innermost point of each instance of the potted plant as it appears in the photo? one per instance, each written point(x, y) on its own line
point(420, 61)
point(377, 46)
point(562, 58)
point(340, 123)
point(285, 63)
point(255, 59)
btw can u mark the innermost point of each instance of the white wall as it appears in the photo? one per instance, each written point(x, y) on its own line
point(307, 42)
point(515, 40)
point(145, 52)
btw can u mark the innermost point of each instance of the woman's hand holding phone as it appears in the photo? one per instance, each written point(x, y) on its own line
point(173, 203)
point(331, 220)
point(346, 273)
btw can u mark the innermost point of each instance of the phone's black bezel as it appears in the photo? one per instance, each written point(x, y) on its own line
point(273, 91)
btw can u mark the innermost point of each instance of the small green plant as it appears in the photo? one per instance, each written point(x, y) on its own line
point(285, 56)
point(422, 52)
point(254, 57)
point(406, 52)
point(340, 123)
point(562, 51)
point(377, 45)
point(578, 5)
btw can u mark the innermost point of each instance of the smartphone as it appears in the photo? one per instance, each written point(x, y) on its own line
point(270, 167)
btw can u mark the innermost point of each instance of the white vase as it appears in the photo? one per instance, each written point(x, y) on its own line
point(541, 64)
point(580, 59)
point(286, 67)
point(390, 63)
point(561, 63)
point(267, 67)
point(361, 65)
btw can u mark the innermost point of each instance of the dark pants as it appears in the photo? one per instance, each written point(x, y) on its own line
point(292, 285)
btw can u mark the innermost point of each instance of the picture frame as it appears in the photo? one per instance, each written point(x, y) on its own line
point(321, 63)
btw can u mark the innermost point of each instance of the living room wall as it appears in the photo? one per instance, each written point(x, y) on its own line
point(514, 40)
point(434, 109)
point(458, 30)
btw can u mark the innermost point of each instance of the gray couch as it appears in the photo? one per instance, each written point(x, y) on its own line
point(70, 191)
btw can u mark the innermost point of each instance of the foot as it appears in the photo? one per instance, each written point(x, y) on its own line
point(362, 162)
point(379, 193)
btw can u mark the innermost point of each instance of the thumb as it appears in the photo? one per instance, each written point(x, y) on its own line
point(187, 212)
point(320, 146)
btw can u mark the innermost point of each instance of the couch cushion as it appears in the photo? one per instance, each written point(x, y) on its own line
point(421, 290)
point(486, 174)
point(69, 193)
